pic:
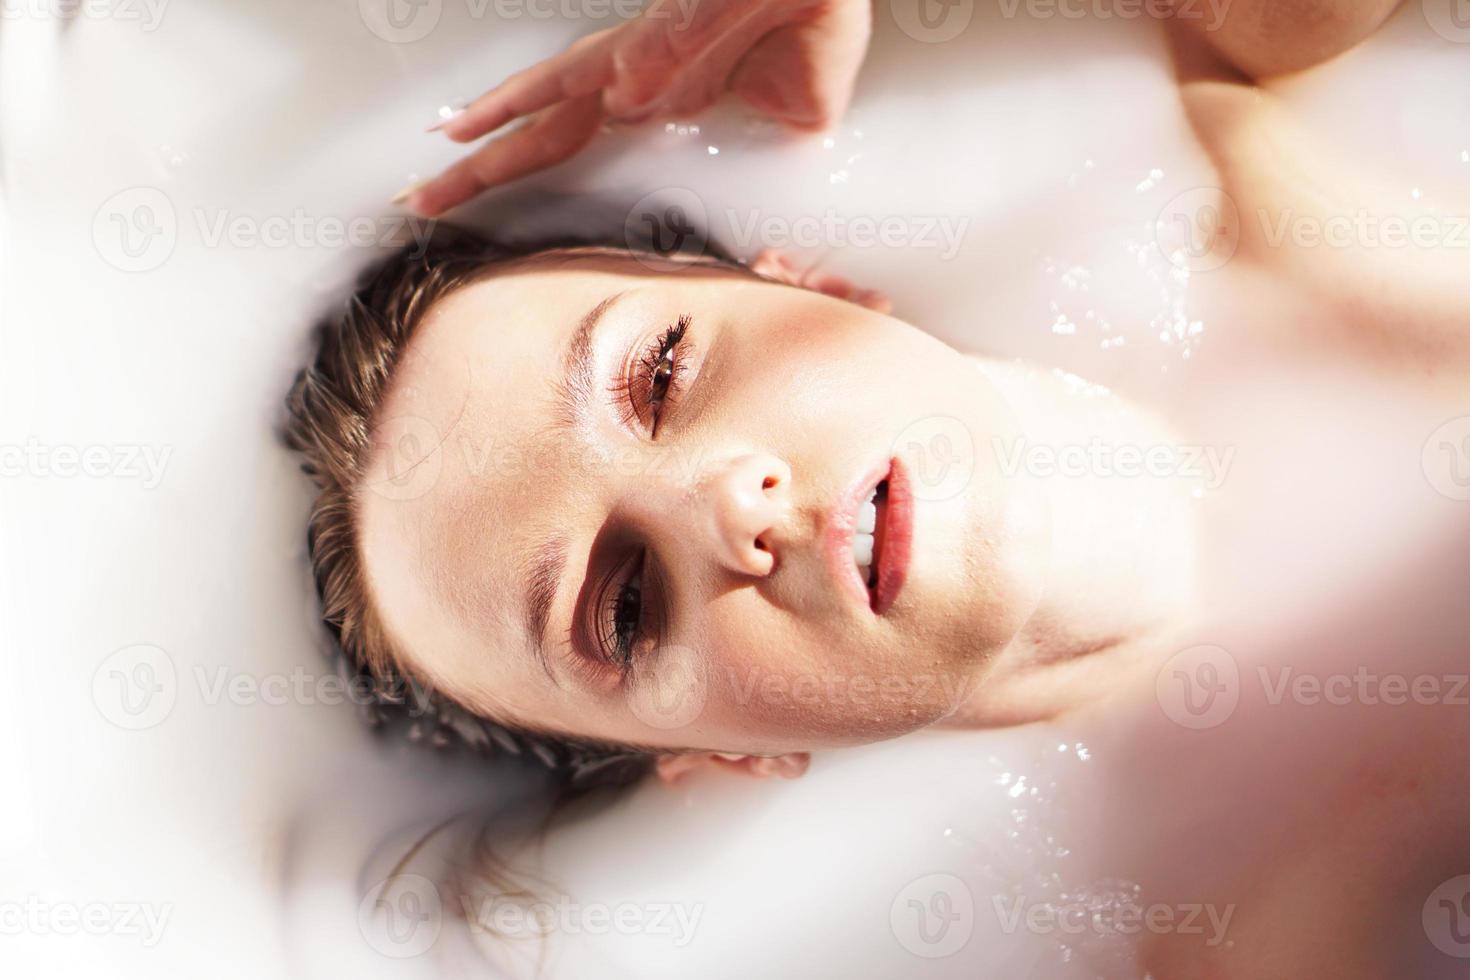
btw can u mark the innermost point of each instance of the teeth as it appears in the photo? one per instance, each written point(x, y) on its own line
point(862, 538)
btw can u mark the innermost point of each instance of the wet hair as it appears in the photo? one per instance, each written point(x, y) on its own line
point(331, 410)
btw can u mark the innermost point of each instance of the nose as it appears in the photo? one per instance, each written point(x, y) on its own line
point(743, 509)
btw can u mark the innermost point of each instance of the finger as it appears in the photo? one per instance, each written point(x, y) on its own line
point(875, 300)
point(774, 264)
point(551, 137)
point(583, 68)
point(830, 48)
point(669, 43)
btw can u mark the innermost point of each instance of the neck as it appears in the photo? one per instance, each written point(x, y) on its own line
point(1115, 558)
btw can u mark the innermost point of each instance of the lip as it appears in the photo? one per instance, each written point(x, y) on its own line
point(895, 535)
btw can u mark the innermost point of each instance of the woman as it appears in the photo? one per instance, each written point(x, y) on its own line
point(634, 514)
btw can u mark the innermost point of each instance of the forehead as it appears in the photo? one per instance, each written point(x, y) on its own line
point(470, 473)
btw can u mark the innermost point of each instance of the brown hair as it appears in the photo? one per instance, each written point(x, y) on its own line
point(331, 411)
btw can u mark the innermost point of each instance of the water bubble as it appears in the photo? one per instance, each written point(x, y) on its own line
point(173, 157)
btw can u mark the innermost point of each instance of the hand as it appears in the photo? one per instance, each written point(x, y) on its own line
point(793, 60)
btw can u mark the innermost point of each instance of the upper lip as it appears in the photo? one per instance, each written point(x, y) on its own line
point(843, 522)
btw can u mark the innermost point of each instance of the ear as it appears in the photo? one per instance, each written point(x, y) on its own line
point(673, 766)
point(777, 265)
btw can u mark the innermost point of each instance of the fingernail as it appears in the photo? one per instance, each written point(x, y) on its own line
point(444, 120)
point(406, 193)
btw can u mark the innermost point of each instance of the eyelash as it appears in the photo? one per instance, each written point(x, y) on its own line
point(635, 388)
point(622, 616)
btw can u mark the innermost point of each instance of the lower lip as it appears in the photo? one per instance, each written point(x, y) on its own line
point(898, 533)
point(898, 539)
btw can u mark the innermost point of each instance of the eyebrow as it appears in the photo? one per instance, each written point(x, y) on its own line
point(576, 390)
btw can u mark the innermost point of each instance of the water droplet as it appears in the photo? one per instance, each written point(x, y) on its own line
point(1146, 184)
point(714, 151)
point(173, 157)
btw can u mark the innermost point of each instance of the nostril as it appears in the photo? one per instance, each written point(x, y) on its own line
point(761, 545)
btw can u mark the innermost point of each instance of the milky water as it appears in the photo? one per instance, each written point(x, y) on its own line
point(1035, 218)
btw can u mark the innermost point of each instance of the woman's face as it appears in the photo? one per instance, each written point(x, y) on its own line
point(616, 503)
